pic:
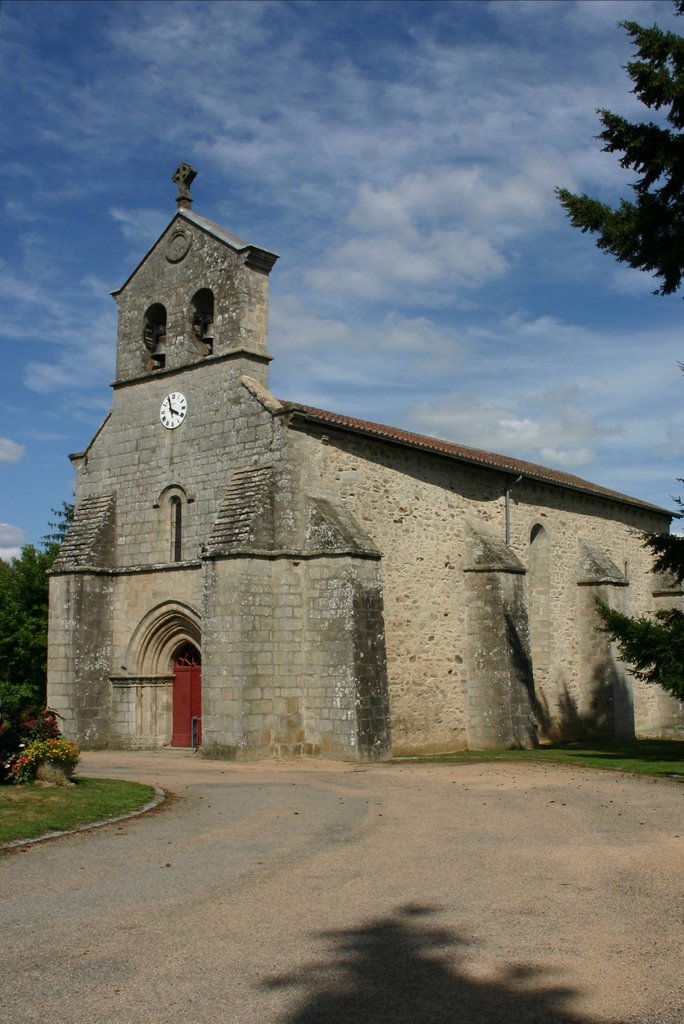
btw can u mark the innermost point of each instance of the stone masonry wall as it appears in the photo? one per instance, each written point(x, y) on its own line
point(80, 656)
point(134, 456)
point(416, 508)
point(290, 658)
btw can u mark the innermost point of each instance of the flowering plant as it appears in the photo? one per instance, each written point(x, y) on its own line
point(19, 728)
point(25, 763)
point(20, 768)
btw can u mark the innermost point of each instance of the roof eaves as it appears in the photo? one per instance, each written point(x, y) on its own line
point(214, 229)
point(468, 456)
point(257, 258)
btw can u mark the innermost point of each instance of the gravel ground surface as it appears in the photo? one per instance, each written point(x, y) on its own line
point(306, 892)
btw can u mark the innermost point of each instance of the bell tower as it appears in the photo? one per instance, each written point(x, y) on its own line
point(128, 590)
point(199, 295)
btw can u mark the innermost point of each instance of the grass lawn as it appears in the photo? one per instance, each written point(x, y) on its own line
point(30, 811)
point(643, 757)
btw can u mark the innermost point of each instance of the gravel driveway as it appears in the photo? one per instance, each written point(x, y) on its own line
point(306, 892)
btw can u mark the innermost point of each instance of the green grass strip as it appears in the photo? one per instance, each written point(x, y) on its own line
point(641, 757)
point(27, 812)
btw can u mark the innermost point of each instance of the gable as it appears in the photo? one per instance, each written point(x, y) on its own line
point(178, 233)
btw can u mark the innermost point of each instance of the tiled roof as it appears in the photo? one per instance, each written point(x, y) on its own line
point(463, 453)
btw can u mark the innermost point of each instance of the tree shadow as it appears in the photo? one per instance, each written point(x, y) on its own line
point(609, 713)
point(400, 970)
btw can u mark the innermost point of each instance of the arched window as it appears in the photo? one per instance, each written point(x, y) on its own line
point(188, 656)
point(173, 522)
point(154, 335)
point(176, 529)
point(202, 314)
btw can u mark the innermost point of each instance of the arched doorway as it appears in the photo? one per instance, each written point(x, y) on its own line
point(187, 697)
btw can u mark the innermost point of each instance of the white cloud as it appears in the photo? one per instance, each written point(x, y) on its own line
point(11, 540)
point(367, 367)
point(140, 225)
point(27, 296)
point(628, 281)
point(298, 327)
point(599, 15)
point(85, 348)
point(295, 325)
point(468, 194)
point(424, 268)
point(10, 451)
point(19, 211)
point(557, 436)
point(433, 234)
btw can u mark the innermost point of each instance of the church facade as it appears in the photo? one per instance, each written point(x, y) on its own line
point(252, 576)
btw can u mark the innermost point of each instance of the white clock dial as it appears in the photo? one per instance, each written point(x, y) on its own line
point(173, 410)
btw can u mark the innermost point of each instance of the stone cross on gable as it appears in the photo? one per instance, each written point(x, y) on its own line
point(184, 177)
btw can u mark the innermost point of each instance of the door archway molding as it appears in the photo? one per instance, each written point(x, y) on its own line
point(159, 634)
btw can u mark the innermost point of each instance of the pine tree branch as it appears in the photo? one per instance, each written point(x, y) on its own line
point(654, 648)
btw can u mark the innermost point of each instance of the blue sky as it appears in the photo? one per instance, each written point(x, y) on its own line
point(401, 158)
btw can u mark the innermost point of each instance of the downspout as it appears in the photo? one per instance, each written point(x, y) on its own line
point(509, 488)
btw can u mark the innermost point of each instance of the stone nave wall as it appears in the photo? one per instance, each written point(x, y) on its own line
point(419, 510)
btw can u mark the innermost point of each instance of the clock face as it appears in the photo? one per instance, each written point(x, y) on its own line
point(173, 410)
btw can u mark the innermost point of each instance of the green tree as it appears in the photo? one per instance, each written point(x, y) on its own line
point(61, 524)
point(654, 647)
point(24, 618)
point(648, 234)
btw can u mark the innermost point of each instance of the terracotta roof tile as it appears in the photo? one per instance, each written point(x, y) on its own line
point(463, 453)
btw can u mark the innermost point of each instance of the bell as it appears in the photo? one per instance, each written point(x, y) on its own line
point(207, 328)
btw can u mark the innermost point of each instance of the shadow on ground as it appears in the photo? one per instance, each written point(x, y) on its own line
point(400, 970)
point(653, 751)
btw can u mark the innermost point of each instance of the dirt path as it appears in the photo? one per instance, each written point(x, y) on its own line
point(311, 892)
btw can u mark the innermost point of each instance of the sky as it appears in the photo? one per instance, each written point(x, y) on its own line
point(401, 159)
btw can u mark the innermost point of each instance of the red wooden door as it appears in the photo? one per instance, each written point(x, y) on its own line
point(187, 698)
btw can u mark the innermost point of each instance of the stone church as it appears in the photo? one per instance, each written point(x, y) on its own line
point(252, 576)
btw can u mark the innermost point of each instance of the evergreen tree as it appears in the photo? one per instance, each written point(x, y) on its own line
point(648, 234)
point(654, 647)
point(60, 525)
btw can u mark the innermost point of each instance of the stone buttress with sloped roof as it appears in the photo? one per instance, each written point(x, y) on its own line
point(255, 576)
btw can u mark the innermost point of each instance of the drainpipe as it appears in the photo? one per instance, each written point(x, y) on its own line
point(509, 488)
